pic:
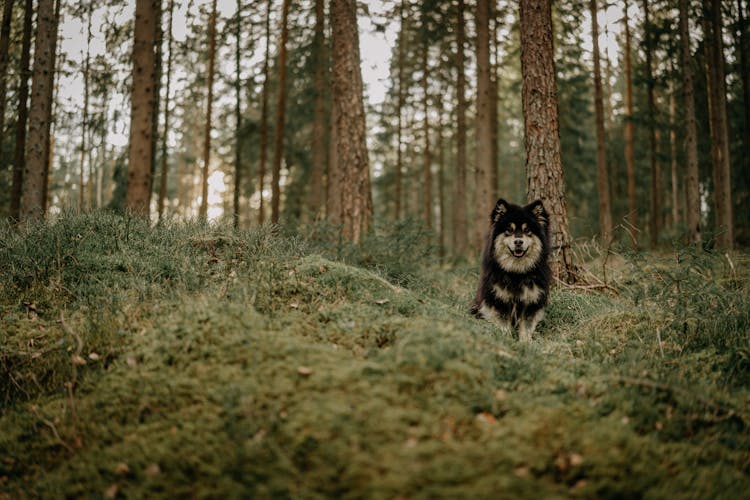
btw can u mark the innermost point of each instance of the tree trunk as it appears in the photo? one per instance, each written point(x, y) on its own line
point(352, 161)
point(4, 43)
point(23, 97)
point(494, 79)
point(319, 144)
point(427, 157)
point(165, 132)
point(441, 176)
point(142, 110)
point(280, 116)
point(40, 113)
point(333, 186)
point(745, 77)
point(673, 160)
point(237, 120)
point(203, 213)
point(602, 177)
point(264, 117)
point(53, 91)
point(459, 208)
point(632, 216)
point(84, 128)
point(717, 106)
point(486, 190)
point(544, 171)
point(655, 220)
point(399, 113)
point(158, 38)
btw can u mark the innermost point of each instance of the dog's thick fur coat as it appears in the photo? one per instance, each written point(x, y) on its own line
point(515, 276)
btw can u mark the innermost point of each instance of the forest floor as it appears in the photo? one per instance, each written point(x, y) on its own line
point(188, 360)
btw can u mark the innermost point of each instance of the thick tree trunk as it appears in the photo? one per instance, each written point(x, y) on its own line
point(717, 106)
point(280, 116)
point(142, 111)
point(494, 111)
point(352, 161)
point(544, 171)
point(632, 215)
point(237, 119)
point(441, 177)
point(165, 132)
point(459, 204)
point(264, 117)
point(602, 177)
point(23, 97)
point(320, 121)
point(427, 154)
point(203, 213)
point(40, 113)
point(486, 190)
point(4, 44)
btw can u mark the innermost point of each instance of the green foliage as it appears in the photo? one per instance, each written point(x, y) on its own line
point(191, 360)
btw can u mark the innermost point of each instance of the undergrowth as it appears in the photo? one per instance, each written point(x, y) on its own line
point(190, 360)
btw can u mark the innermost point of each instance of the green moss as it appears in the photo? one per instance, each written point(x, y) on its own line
point(223, 364)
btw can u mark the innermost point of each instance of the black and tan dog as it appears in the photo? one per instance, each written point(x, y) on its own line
point(515, 277)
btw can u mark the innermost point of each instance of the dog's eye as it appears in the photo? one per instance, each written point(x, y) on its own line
point(527, 231)
point(508, 232)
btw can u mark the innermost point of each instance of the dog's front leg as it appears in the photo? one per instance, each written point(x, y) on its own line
point(527, 325)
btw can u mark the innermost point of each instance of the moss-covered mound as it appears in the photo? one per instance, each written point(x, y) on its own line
point(188, 360)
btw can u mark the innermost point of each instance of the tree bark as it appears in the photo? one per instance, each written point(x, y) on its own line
point(427, 156)
point(237, 119)
point(655, 219)
point(673, 160)
point(632, 215)
point(544, 171)
point(264, 117)
point(486, 191)
point(745, 78)
point(165, 132)
point(319, 146)
point(158, 38)
point(40, 114)
point(717, 106)
point(4, 44)
point(399, 113)
point(85, 125)
point(602, 177)
point(23, 97)
point(352, 161)
point(203, 213)
point(142, 111)
point(459, 203)
point(280, 116)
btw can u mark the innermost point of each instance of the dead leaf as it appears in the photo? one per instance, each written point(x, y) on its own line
point(121, 468)
point(130, 360)
point(77, 360)
point(305, 371)
point(501, 395)
point(111, 492)
point(380, 302)
point(93, 356)
point(152, 470)
point(486, 418)
point(294, 305)
point(521, 471)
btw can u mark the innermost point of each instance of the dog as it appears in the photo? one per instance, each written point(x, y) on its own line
point(515, 275)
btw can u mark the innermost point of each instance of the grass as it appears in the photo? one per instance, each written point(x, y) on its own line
point(188, 360)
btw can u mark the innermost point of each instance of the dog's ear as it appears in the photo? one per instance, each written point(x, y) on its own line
point(536, 208)
point(501, 208)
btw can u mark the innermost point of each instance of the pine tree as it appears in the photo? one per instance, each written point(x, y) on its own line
point(541, 125)
point(602, 178)
point(33, 202)
point(632, 215)
point(351, 147)
point(141, 111)
point(280, 116)
point(203, 213)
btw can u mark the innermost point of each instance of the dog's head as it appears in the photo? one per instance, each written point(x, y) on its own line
point(519, 235)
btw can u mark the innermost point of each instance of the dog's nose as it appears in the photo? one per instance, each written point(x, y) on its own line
point(519, 243)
